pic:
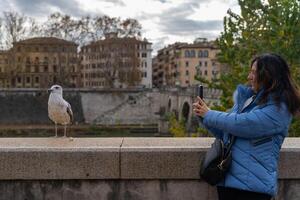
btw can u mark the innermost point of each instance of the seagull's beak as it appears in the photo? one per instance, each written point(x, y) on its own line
point(49, 90)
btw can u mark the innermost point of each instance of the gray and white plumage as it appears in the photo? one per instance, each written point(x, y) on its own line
point(59, 110)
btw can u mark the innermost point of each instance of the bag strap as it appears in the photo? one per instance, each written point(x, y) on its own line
point(247, 103)
point(232, 140)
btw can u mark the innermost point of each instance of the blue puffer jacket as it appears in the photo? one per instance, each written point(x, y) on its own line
point(260, 131)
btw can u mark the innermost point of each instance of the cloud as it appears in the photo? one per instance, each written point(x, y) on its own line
point(159, 43)
point(115, 2)
point(163, 1)
point(5, 6)
point(163, 21)
point(176, 21)
point(179, 26)
point(42, 7)
point(181, 10)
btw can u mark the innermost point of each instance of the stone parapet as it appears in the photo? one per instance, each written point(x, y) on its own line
point(120, 168)
point(117, 158)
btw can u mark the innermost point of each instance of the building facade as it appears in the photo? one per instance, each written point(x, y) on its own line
point(117, 63)
point(178, 64)
point(40, 63)
point(4, 64)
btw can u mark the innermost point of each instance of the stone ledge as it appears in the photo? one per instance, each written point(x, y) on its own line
point(117, 158)
point(59, 158)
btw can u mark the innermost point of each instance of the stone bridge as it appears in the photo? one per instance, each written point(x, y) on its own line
point(103, 107)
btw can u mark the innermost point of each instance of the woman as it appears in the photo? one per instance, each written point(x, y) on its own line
point(259, 120)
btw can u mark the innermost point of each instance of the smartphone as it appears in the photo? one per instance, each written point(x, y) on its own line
point(200, 91)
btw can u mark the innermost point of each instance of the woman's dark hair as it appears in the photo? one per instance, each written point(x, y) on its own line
point(273, 74)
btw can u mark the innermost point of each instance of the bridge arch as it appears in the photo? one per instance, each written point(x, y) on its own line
point(185, 112)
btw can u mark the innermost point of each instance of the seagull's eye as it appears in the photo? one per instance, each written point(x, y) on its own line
point(56, 87)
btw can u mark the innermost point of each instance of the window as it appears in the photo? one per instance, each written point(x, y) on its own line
point(19, 80)
point(205, 63)
point(187, 53)
point(186, 72)
point(205, 53)
point(37, 80)
point(144, 55)
point(192, 53)
point(54, 68)
point(200, 63)
point(27, 79)
point(200, 54)
point(27, 68)
point(36, 68)
point(63, 59)
point(205, 72)
point(186, 63)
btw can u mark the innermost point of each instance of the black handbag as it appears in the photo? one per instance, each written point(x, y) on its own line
point(216, 161)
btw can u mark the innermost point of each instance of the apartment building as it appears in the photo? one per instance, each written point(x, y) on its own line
point(179, 63)
point(41, 62)
point(117, 63)
point(4, 63)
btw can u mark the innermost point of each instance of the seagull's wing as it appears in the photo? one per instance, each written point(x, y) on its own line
point(69, 111)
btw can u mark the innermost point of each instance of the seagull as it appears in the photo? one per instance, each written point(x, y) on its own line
point(59, 110)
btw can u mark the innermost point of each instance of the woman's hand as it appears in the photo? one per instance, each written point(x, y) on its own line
point(200, 108)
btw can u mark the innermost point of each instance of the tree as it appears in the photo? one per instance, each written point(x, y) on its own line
point(121, 64)
point(87, 29)
point(176, 127)
point(17, 27)
point(124, 28)
point(130, 28)
point(262, 26)
point(61, 26)
point(1, 35)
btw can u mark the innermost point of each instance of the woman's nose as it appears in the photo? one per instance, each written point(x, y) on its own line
point(249, 77)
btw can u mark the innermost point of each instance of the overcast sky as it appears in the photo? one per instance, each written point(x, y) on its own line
point(163, 21)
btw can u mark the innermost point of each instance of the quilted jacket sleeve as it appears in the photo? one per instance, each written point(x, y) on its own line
point(216, 132)
point(260, 122)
